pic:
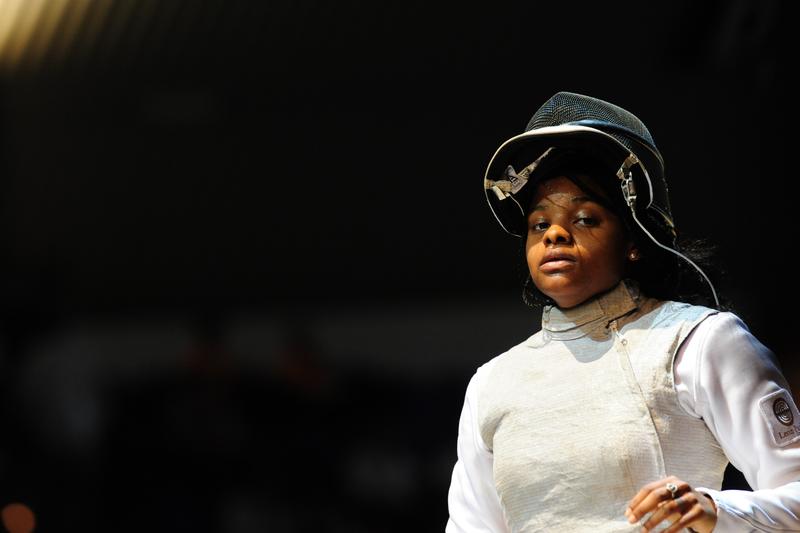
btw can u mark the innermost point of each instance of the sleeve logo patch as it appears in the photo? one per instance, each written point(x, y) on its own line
point(780, 413)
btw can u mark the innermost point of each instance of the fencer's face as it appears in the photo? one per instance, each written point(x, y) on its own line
point(576, 247)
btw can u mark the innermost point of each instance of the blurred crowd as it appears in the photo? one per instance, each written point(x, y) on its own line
point(218, 425)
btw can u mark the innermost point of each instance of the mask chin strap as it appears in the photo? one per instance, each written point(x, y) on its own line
point(625, 174)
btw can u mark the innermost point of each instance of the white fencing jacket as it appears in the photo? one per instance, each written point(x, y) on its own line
point(618, 392)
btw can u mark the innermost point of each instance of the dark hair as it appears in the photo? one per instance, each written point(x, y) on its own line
point(659, 273)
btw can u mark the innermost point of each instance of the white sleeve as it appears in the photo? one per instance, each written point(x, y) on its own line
point(725, 376)
point(472, 499)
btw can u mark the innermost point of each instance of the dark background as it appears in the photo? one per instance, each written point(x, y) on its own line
point(247, 265)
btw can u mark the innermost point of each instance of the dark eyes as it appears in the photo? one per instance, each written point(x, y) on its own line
point(580, 221)
point(539, 226)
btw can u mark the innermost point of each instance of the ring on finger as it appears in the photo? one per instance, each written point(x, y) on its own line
point(672, 488)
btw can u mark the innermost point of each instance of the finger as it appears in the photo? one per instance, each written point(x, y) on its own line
point(651, 502)
point(671, 511)
point(657, 495)
point(650, 487)
point(686, 520)
point(647, 489)
point(666, 511)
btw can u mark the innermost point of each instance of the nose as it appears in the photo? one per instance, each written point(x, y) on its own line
point(556, 234)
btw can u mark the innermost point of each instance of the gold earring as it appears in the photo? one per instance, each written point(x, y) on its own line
point(634, 255)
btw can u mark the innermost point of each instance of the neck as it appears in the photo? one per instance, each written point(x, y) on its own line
point(598, 311)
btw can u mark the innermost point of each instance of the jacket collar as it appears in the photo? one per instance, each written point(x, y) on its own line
point(600, 310)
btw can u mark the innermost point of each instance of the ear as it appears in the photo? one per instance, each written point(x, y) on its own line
point(633, 253)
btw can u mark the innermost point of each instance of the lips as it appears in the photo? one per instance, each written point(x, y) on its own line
point(557, 256)
point(554, 261)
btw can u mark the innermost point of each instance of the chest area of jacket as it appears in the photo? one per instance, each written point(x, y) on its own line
point(571, 415)
point(580, 395)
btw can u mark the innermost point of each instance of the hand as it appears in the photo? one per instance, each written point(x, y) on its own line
point(689, 508)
